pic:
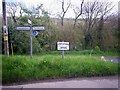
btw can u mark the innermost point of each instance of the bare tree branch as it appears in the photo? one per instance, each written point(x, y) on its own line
point(77, 15)
point(64, 10)
point(12, 10)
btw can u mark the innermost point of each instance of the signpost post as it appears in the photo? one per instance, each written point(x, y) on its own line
point(62, 46)
point(30, 22)
point(31, 29)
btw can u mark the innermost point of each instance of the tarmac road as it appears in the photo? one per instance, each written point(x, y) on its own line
point(111, 58)
point(114, 59)
point(91, 82)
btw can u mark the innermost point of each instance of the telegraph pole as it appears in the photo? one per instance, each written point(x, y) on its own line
point(5, 28)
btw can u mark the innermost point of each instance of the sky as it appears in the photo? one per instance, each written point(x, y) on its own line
point(54, 7)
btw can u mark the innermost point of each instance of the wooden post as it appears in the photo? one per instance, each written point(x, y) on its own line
point(5, 29)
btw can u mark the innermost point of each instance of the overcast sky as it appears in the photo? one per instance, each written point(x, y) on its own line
point(53, 6)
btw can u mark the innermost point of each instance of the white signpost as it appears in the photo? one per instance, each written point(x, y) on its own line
point(62, 46)
point(32, 30)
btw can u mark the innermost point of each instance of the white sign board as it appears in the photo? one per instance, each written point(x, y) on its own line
point(62, 45)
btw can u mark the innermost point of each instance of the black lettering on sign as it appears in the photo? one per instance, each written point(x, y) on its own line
point(63, 47)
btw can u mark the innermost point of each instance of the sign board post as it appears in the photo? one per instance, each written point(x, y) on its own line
point(62, 54)
point(62, 46)
point(31, 29)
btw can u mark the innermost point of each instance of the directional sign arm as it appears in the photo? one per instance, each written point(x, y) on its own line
point(38, 28)
point(22, 28)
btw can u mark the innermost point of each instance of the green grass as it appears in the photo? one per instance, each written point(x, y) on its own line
point(22, 68)
point(82, 52)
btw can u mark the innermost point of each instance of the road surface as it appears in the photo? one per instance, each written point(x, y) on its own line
point(111, 58)
point(91, 82)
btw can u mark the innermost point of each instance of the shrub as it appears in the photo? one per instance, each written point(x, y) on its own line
point(97, 48)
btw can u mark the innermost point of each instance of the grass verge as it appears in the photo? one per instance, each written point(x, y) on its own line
point(22, 68)
point(82, 52)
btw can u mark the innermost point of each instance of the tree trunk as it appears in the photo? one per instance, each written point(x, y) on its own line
point(75, 23)
point(88, 41)
point(100, 35)
point(62, 21)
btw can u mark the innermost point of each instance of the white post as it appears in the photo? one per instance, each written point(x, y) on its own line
point(62, 54)
point(31, 41)
point(30, 22)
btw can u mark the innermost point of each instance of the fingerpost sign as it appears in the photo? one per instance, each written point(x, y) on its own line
point(33, 32)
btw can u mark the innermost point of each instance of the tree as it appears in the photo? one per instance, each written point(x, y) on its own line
point(118, 47)
point(20, 39)
point(91, 12)
point(12, 9)
point(95, 14)
point(64, 10)
point(0, 34)
point(78, 12)
point(105, 9)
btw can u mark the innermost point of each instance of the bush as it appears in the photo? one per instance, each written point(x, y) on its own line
point(97, 48)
